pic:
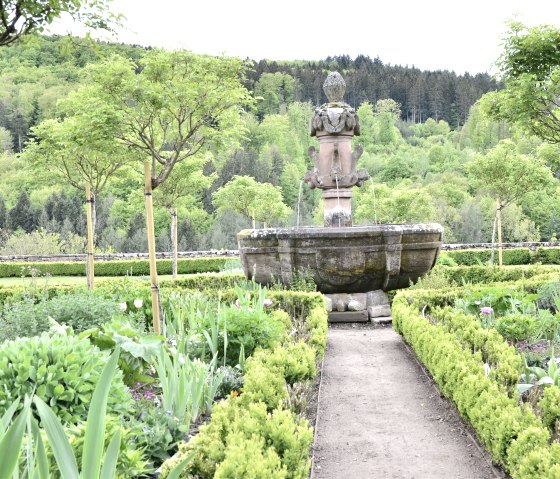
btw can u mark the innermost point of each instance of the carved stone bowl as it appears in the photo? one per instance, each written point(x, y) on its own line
point(353, 259)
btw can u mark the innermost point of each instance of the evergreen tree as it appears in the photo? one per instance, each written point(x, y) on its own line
point(21, 215)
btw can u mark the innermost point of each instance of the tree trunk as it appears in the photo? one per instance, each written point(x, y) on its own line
point(493, 238)
point(152, 247)
point(499, 217)
point(173, 213)
point(90, 271)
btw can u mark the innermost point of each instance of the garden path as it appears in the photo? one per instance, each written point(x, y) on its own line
point(380, 415)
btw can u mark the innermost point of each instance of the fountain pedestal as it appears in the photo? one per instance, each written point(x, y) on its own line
point(340, 258)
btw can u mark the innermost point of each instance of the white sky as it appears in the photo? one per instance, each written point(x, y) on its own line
point(429, 34)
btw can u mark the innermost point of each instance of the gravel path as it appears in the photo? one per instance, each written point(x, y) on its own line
point(379, 415)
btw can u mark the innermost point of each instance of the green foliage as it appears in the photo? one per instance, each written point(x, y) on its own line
point(62, 371)
point(508, 431)
point(550, 406)
point(259, 201)
point(80, 310)
point(276, 434)
point(137, 349)
point(508, 175)
point(22, 17)
point(114, 267)
point(514, 256)
point(530, 68)
point(131, 461)
point(175, 106)
point(516, 327)
point(249, 458)
point(41, 242)
point(218, 447)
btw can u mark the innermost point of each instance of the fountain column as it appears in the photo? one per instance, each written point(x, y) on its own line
point(334, 124)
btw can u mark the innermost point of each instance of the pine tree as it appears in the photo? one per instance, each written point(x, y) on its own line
point(21, 215)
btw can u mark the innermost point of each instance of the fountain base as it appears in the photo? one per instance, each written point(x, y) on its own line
point(353, 259)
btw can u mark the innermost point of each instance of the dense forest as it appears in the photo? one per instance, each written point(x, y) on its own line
point(425, 139)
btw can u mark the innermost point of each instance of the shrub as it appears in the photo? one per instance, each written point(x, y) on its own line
point(274, 434)
point(62, 370)
point(22, 319)
point(247, 458)
point(137, 267)
point(508, 431)
point(516, 326)
point(548, 255)
point(550, 406)
point(80, 310)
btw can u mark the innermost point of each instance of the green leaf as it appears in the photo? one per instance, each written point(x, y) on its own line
point(42, 471)
point(111, 457)
point(7, 417)
point(63, 454)
point(521, 388)
point(10, 445)
point(94, 438)
point(176, 471)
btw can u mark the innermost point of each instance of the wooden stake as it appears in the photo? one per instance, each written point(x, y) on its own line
point(174, 240)
point(90, 250)
point(499, 217)
point(151, 245)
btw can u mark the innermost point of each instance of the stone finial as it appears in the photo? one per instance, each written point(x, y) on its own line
point(334, 87)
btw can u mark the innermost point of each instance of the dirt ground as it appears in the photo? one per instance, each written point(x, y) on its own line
point(380, 415)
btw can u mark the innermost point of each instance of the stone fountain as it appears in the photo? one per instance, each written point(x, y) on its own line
point(352, 265)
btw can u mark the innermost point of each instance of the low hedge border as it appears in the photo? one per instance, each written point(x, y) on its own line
point(446, 297)
point(255, 434)
point(516, 438)
point(516, 256)
point(139, 267)
point(461, 275)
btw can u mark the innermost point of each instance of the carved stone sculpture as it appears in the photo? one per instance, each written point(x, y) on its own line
point(334, 124)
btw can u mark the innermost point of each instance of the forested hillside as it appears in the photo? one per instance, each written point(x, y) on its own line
point(426, 144)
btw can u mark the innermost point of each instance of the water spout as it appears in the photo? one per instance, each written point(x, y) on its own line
point(299, 202)
point(374, 205)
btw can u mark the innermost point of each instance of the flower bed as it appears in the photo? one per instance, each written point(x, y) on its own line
point(459, 336)
point(254, 351)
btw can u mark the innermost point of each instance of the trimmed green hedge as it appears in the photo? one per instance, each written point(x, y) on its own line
point(516, 438)
point(461, 275)
point(137, 267)
point(516, 256)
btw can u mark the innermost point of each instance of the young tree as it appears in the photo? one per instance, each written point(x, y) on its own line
point(508, 176)
point(173, 106)
point(530, 69)
point(187, 180)
point(82, 150)
point(20, 17)
point(258, 201)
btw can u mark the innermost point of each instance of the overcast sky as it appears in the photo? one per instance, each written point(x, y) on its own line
point(429, 34)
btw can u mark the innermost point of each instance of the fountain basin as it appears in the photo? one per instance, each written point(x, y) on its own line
point(352, 259)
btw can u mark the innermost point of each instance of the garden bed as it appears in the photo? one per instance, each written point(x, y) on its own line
point(258, 350)
point(467, 338)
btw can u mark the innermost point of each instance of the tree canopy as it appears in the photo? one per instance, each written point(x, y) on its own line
point(20, 17)
point(530, 69)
